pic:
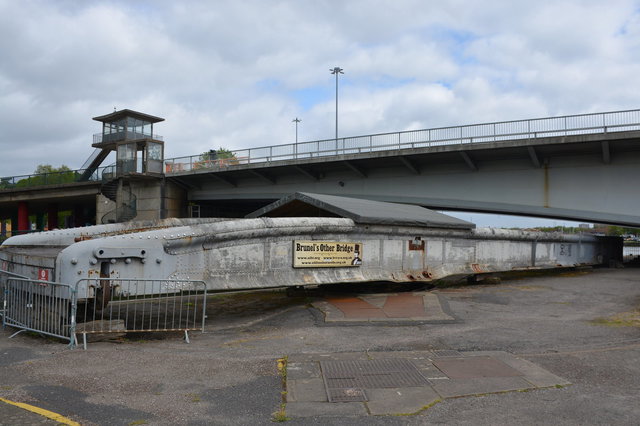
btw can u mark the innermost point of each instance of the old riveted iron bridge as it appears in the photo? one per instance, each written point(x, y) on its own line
point(580, 167)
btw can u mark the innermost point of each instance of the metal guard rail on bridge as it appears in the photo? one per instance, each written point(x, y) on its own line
point(606, 122)
point(616, 121)
point(53, 178)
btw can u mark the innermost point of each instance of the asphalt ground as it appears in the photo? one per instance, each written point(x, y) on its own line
point(581, 327)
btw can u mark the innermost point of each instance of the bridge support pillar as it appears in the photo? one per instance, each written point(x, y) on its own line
point(52, 216)
point(23, 218)
point(78, 216)
point(40, 222)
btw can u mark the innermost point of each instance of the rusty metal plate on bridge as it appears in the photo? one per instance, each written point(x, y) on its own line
point(474, 367)
point(347, 380)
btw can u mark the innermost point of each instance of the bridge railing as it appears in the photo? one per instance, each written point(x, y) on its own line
point(53, 178)
point(475, 133)
point(606, 122)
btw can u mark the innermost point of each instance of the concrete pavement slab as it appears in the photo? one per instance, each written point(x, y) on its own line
point(306, 390)
point(454, 388)
point(400, 400)
point(535, 375)
point(302, 370)
point(388, 381)
point(313, 409)
point(393, 307)
point(474, 367)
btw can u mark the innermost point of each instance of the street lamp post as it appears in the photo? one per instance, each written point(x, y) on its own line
point(336, 71)
point(296, 120)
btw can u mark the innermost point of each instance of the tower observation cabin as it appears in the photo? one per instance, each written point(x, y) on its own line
point(130, 134)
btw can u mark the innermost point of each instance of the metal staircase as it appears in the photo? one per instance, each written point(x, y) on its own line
point(126, 209)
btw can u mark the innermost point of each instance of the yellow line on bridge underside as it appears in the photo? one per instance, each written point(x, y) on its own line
point(41, 411)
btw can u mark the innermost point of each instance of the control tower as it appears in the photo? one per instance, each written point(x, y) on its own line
point(130, 134)
point(134, 187)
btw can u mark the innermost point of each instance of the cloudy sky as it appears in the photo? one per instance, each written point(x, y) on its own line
point(235, 74)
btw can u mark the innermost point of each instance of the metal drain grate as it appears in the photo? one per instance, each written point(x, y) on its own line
point(346, 380)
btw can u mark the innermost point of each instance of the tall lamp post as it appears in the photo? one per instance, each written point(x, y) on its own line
point(337, 71)
point(296, 120)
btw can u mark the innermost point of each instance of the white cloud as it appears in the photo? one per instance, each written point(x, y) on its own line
point(236, 74)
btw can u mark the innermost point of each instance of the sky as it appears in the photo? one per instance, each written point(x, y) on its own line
point(234, 74)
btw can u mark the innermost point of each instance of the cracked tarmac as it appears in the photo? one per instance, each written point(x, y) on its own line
point(491, 354)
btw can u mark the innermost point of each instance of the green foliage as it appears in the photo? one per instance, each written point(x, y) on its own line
point(224, 153)
point(48, 168)
point(45, 174)
point(219, 154)
point(219, 157)
point(5, 183)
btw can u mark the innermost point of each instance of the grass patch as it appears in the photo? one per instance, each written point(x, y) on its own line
point(422, 409)
point(194, 397)
point(624, 319)
point(280, 415)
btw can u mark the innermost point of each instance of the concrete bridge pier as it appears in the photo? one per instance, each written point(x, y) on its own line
point(52, 216)
point(23, 217)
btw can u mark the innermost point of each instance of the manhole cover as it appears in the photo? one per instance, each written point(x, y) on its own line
point(474, 367)
point(346, 380)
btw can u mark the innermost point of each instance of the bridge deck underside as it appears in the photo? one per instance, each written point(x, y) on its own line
point(587, 177)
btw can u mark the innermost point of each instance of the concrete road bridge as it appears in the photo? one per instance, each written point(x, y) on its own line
point(579, 167)
point(582, 167)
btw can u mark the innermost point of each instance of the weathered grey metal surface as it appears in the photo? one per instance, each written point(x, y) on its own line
point(65, 237)
point(361, 211)
point(30, 254)
point(257, 253)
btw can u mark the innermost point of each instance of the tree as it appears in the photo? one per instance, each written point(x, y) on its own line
point(219, 157)
point(48, 168)
point(46, 174)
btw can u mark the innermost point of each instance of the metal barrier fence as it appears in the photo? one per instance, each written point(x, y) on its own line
point(119, 306)
point(616, 121)
point(3, 289)
point(40, 306)
point(631, 253)
point(137, 305)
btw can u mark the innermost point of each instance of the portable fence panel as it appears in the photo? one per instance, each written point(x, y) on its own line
point(40, 306)
point(631, 253)
point(129, 305)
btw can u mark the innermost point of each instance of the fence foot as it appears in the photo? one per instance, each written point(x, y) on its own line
point(84, 341)
point(73, 342)
point(16, 333)
point(186, 336)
